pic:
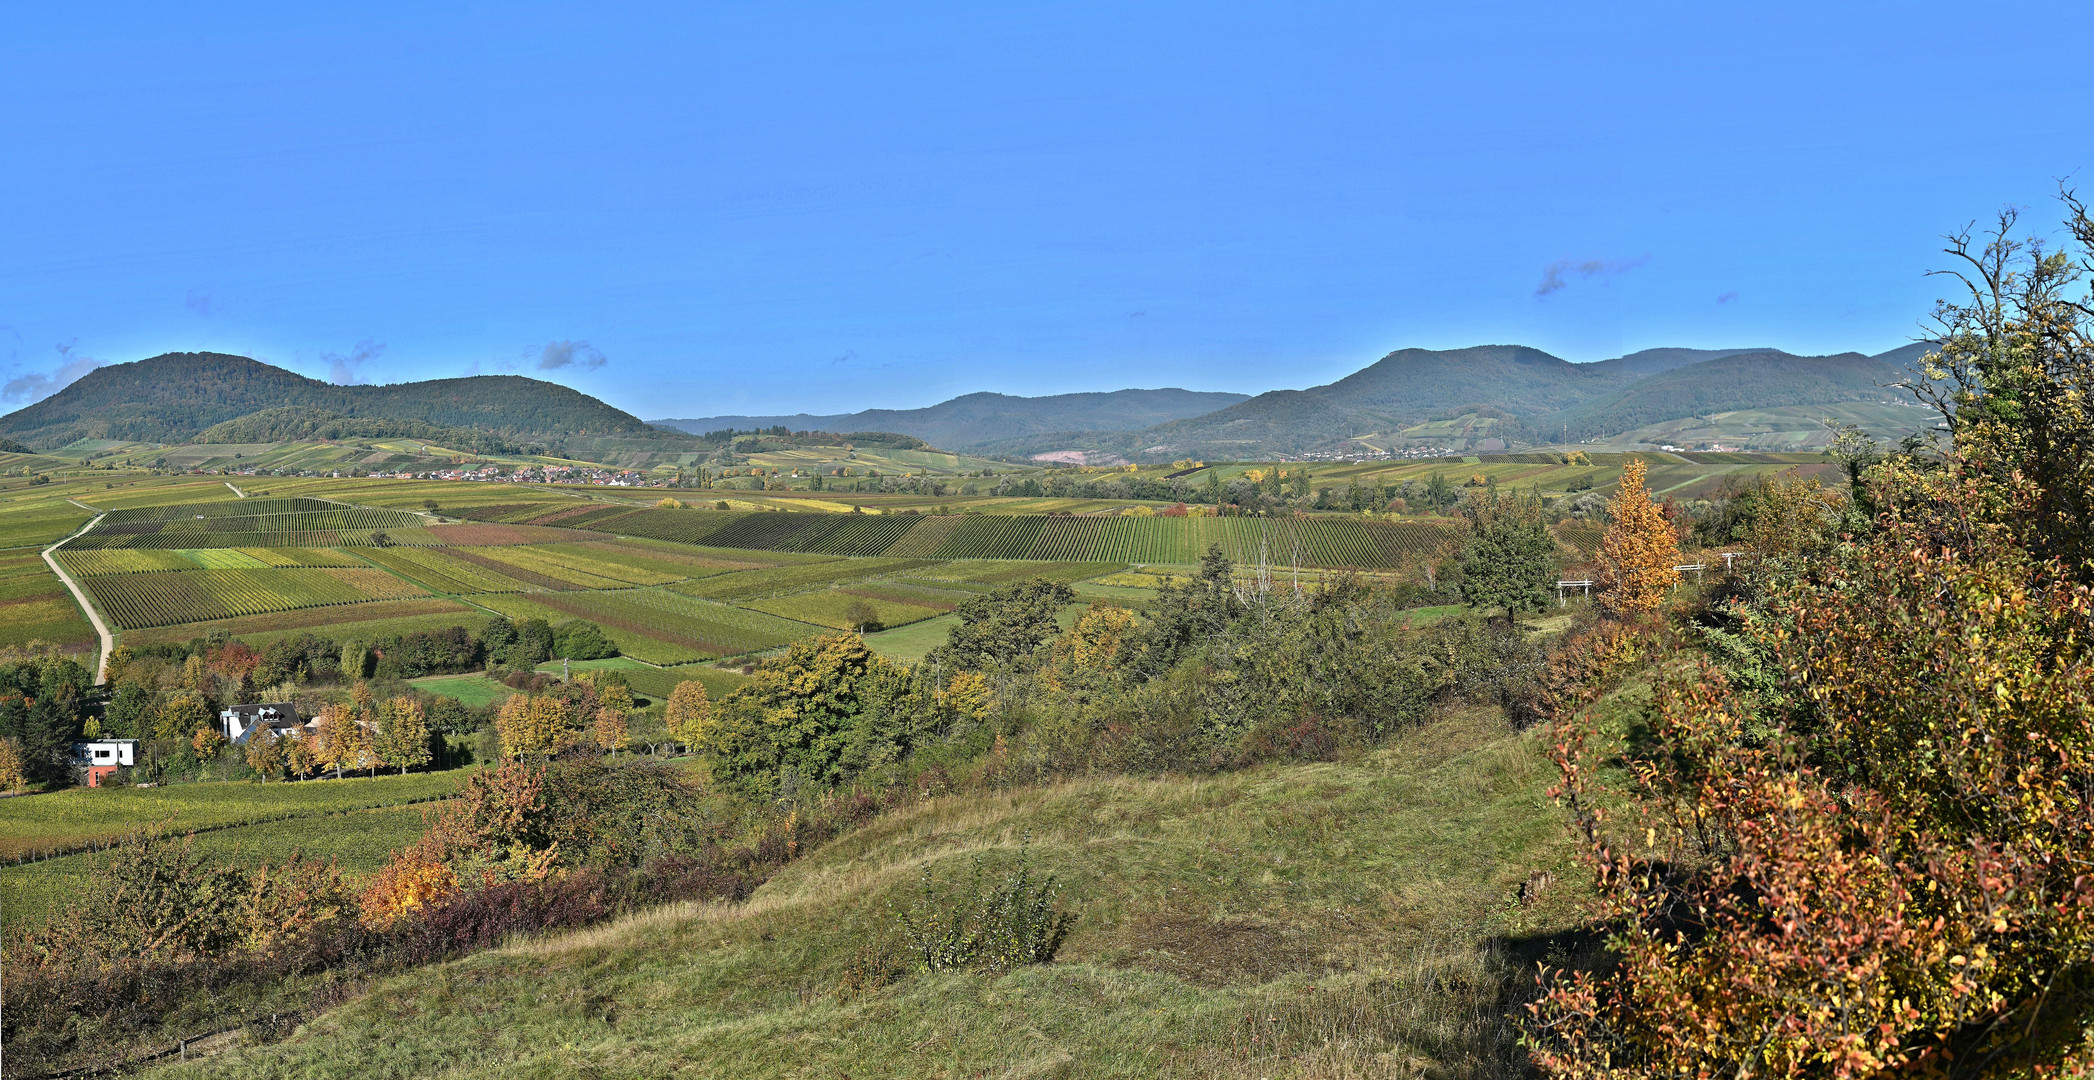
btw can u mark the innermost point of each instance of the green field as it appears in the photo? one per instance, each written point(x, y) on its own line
point(830, 607)
point(35, 605)
point(471, 689)
point(909, 643)
point(136, 601)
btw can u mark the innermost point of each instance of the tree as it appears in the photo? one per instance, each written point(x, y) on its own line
point(207, 742)
point(13, 775)
point(862, 617)
point(130, 712)
point(178, 715)
point(1639, 552)
point(264, 755)
point(533, 725)
point(337, 739)
point(402, 735)
point(1508, 559)
point(1886, 874)
point(1002, 628)
point(612, 731)
point(2014, 377)
point(807, 715)
point(689, 713)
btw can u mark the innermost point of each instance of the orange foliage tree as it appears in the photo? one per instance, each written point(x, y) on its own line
point(689, 713)
point(1639, 552)
point(1892, 878)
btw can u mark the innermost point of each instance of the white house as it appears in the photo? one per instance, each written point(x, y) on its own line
point(240, 721)
point(100, 758)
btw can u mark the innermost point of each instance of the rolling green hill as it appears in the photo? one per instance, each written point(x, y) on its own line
point(174, 397)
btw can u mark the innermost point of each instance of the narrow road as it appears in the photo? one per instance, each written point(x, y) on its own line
point(80, 597)
point(236, 491)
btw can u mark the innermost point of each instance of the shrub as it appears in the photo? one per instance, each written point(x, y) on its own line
point(992, 925)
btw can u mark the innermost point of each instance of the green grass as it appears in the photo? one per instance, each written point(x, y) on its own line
point(92, 815)
point(472, 689)
point(359, 842)
point(910, 643)
point(1322, 920)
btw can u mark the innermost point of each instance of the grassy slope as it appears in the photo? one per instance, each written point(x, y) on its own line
point(1209, 910)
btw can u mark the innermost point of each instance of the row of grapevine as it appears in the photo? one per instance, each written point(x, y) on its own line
point(333, 518)
point(134, 601)
point(228, 508)
point(444, 572)
point(780, 579)
point(715, 629)
point(99, 562)
point(1323, 542)
point(325, 538)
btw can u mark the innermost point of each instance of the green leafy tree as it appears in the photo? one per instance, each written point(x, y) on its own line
point(1005, 627)
point(808, 717)
point(1508, 559)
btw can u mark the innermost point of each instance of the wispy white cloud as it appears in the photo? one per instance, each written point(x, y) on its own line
point(38, 385)
point(346, 369)
point(1553, 277)
point(560, 354)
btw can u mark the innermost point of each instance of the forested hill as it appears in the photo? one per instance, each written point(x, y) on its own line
point(1532, 395)
point(175, 396)
point(977, 419)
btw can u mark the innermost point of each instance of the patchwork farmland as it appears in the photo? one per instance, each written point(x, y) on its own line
point(669, 586)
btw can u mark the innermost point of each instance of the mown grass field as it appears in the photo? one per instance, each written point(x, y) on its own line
point(1348, 919)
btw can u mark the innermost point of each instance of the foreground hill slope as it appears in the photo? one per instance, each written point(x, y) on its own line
point(979, 419)
point(1325, 919)
point(174, 396)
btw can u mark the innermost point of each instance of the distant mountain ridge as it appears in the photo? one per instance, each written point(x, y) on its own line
point(1538, 397)
point(176, 396)
point(975, 419)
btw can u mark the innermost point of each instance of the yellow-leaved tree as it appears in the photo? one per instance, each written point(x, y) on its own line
point(1639, 552)
point(689, 713)
point(12, 775)
point(533, 725)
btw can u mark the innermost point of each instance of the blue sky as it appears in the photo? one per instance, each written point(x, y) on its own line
point(699, 209)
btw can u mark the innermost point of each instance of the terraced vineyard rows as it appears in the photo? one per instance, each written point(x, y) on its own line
point(709, 628)
point(443, 571)
point(783, 579)
point(1323, 542)
point(133, 601)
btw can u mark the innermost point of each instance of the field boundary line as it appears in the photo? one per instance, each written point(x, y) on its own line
point(107, 644)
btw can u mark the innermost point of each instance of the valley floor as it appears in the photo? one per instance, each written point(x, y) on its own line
point(1354, 918)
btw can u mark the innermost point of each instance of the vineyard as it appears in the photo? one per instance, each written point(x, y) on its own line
point(96, 563)
point(1318, 541)
point(133, 601)
point(440, 569)
point(784, 579)
point(279, 523)
point(832, 608)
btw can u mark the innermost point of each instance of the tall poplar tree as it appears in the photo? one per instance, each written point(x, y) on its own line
point(1639, 552)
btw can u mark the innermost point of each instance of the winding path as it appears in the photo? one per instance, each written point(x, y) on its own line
point(80, 597)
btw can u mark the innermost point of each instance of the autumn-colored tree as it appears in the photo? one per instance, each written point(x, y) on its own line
point(1639, 551)
point(1095, 640)
point(178, 715)
point(1888, 877)
point(336, 738)
point(401, 737)
point(206, 743)
point(689, 713)
point(114, 665)
point(300, 759)
point(12, 775)
point(264, 754)
point(612, 730)
point(533, 725)
point(414, 878)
